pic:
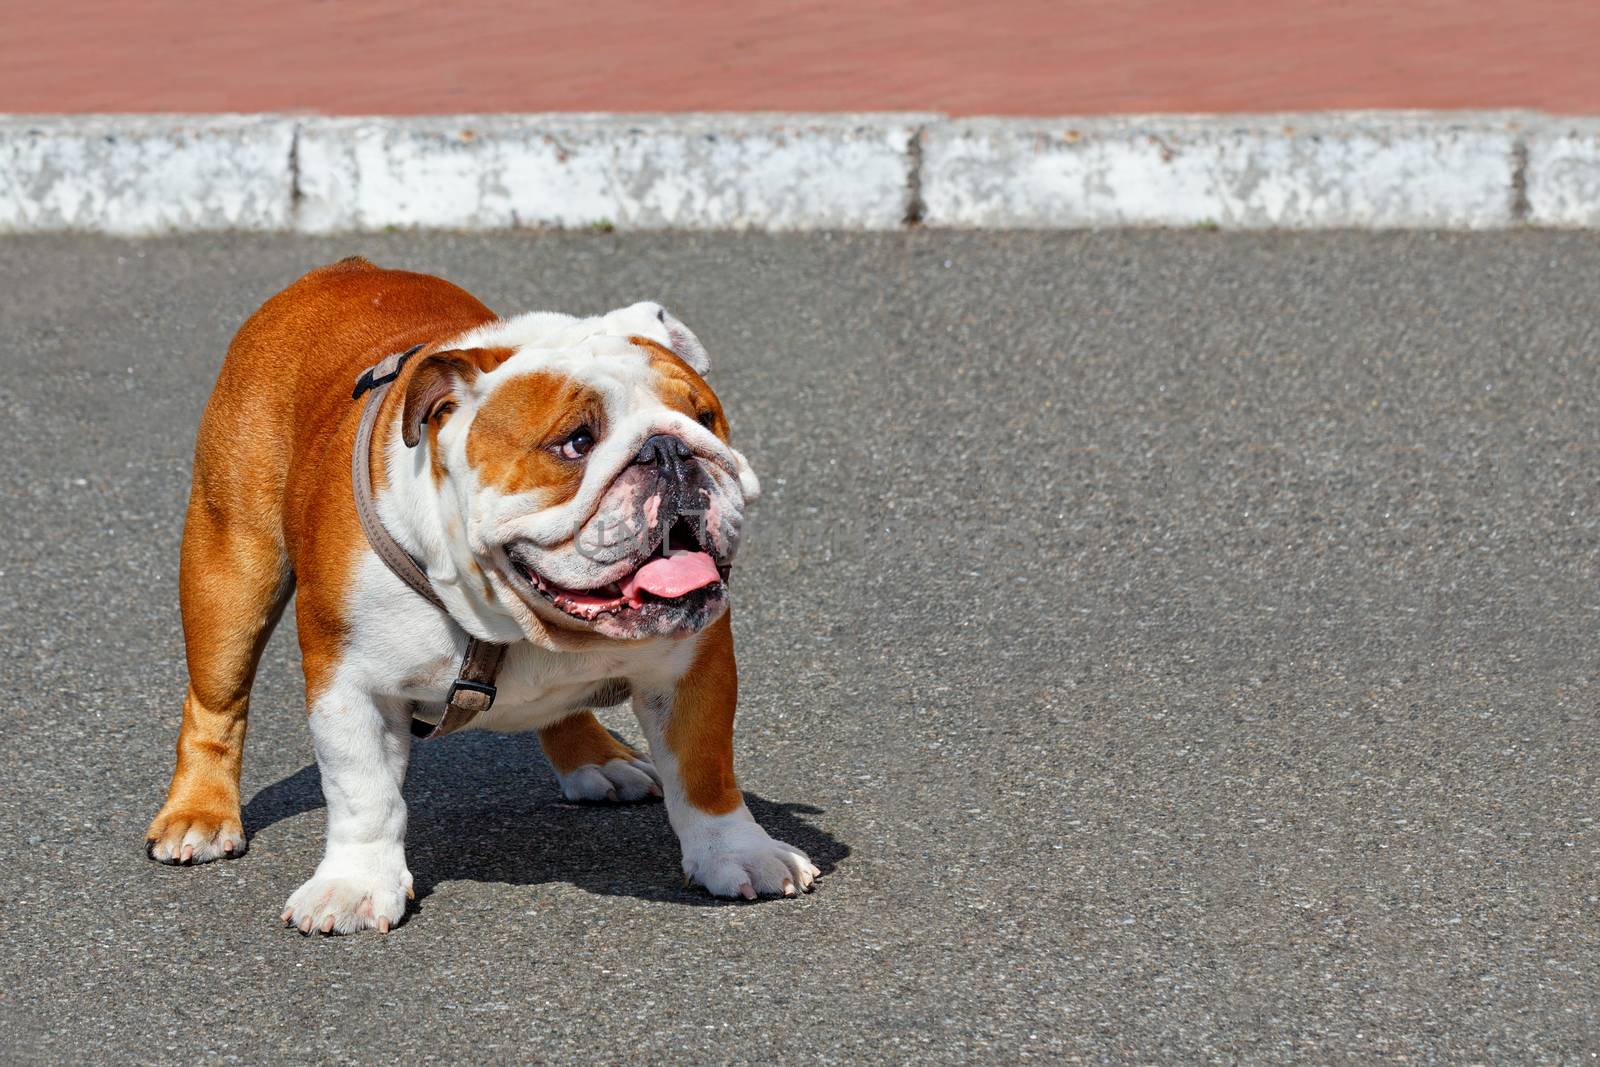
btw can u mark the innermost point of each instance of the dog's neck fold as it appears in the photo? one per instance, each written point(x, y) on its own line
point(426, 518)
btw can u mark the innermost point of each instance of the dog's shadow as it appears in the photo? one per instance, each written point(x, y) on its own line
point(486, 808)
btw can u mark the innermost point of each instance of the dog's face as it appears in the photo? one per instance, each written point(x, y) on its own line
point(587, 463)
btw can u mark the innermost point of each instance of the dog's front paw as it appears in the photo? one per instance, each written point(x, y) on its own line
point(347, 903)
point(741, 860)
point(193, 833)
point(615, 781)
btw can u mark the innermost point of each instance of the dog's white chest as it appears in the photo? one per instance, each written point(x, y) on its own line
point(538, 687)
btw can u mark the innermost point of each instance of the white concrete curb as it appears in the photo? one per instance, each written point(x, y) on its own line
point(1240, 172)
point(139, 175)
point(145, 174)
point(646, 172)
point(1563, 173)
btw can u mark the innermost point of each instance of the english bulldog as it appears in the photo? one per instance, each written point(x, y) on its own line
point(558, 491)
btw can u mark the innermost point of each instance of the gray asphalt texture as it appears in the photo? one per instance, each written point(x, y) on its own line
point(1174, 646)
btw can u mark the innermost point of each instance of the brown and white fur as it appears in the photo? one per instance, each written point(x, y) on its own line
point(479, 471)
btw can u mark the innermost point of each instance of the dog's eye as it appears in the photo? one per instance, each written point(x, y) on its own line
point(578, 445)
point(708, 419)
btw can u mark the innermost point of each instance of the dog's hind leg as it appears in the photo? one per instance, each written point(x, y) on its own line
point(594, 766)
point(234, 580)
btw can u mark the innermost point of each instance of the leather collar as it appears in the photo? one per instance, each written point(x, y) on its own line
point(473, 691)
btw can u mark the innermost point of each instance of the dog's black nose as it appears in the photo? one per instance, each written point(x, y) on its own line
point(664, 451)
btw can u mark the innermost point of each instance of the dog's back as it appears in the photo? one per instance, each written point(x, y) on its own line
point(285, 385)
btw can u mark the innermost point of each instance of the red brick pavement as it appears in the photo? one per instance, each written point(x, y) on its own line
point(1022, 57)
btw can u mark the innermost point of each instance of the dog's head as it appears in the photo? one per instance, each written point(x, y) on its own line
point(588, 466)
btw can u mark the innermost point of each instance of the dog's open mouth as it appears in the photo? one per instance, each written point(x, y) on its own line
point(680, 573)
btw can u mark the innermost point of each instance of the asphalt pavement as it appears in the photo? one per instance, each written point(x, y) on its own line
point(1174, 646)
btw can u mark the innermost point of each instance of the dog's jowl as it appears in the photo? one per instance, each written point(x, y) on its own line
point(491, 524)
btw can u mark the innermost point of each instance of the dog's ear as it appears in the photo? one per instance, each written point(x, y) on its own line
point(649, 319)
point(683, 341)
point(435, 386)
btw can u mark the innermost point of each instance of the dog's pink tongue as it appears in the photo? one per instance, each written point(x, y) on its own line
point(672, 576)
